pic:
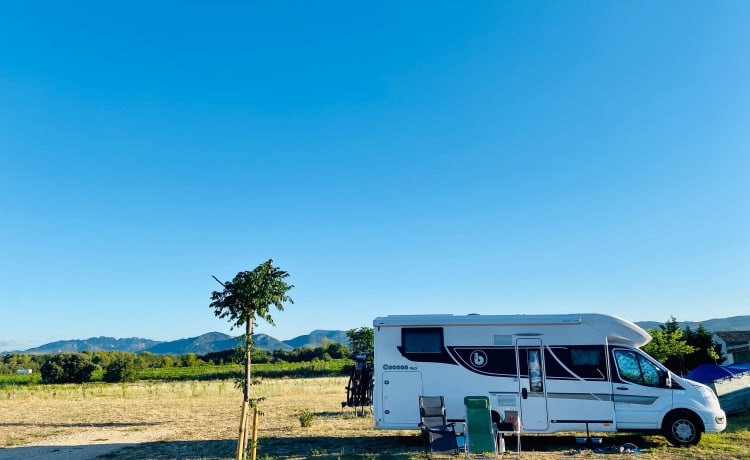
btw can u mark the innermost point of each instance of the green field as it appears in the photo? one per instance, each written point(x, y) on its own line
point(213, 372)
point(20, 379)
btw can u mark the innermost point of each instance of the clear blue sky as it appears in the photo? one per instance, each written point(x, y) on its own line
point(393, 157)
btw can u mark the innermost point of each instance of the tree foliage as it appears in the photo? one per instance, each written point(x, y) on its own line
point(12, 362)
point(682, 350)
point(250, 295)
point(706, 350)
point(361, 339)
point(68, 368)
point(666, 343)
point(123, 367)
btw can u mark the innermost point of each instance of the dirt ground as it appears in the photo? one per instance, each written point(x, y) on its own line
point(83, 444)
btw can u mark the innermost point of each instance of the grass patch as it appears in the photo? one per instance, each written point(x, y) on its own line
point(20, 379)
point(306, 418)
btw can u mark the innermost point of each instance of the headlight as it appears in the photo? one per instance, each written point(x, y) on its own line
point(707, 393)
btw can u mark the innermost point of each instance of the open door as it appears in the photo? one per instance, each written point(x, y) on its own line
point(532, 384)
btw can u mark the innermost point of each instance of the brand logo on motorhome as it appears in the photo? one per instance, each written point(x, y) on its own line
point(478, 358)
point(395, 367)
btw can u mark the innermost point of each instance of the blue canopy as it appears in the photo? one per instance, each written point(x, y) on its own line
point(707, 373)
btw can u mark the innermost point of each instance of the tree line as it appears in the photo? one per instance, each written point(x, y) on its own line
point(123, 366)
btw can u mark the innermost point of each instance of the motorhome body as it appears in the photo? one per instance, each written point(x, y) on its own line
point(572, 372)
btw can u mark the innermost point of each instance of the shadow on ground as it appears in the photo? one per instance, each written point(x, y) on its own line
point(82, 452)
point(320, 447)
point(364, 447)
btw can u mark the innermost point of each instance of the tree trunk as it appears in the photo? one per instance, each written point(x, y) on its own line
point(243, 440)
point(248, 357)
point(248, 368)
point(242, 433)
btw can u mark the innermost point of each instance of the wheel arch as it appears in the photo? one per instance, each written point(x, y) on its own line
point(676, 421)
point(685, 411)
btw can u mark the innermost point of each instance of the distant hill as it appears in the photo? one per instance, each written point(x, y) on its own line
point(734, 323)
point(134, 344)
point(206, 343)
point(266, 342)
point(202, 344)
point(316, 338)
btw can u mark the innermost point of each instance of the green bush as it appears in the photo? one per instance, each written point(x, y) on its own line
point(124, 367)
point(306, 418)
point(67, 368)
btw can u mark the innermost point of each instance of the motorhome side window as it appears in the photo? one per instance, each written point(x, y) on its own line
point(584, 361)
point(422, 340)
point(635, 368)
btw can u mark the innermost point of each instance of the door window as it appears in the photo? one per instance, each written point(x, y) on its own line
point(634, 367)
point(535, 372)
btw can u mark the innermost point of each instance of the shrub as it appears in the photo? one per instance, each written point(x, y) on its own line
point(123, 368)
point(67, 368)
point(306, 418)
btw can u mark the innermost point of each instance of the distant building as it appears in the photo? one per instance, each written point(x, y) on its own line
point(735, 345)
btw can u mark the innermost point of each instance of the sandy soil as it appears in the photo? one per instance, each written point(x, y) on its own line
point(82, 445)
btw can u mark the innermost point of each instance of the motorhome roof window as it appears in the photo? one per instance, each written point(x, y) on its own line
point(422, 340)
point(502, 339)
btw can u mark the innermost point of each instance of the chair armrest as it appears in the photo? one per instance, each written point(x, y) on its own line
point(440, 428)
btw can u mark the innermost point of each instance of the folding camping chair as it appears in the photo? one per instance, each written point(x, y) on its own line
point(440, 434)
point(481, 432)
point(510, 424)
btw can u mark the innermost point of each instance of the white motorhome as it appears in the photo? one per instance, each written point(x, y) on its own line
point(572, 372)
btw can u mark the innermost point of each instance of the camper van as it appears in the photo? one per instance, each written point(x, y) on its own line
point(571, 372)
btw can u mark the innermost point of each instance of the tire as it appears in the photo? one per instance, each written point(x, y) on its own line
point(351, 390)
point(682, 429)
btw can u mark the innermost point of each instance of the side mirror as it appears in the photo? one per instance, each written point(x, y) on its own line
point(665, 379)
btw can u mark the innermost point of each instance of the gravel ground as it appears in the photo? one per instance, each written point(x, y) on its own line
point(82, 445)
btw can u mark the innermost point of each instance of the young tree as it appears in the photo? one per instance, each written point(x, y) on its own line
point(668, 345)
point(362, 339)
point(248, 296)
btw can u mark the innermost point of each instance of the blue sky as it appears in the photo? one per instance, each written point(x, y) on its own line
point(393, 157)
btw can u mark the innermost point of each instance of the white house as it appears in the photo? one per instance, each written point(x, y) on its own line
point(735, 346)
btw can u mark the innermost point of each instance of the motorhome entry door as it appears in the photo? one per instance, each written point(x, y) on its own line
point(401, 390)
point(532, 384)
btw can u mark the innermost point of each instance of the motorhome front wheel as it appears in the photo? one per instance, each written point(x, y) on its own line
point(681, 429)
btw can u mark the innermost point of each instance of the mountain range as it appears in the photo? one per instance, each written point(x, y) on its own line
point(202, 344)
point(733, 323)
point(217, 341)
